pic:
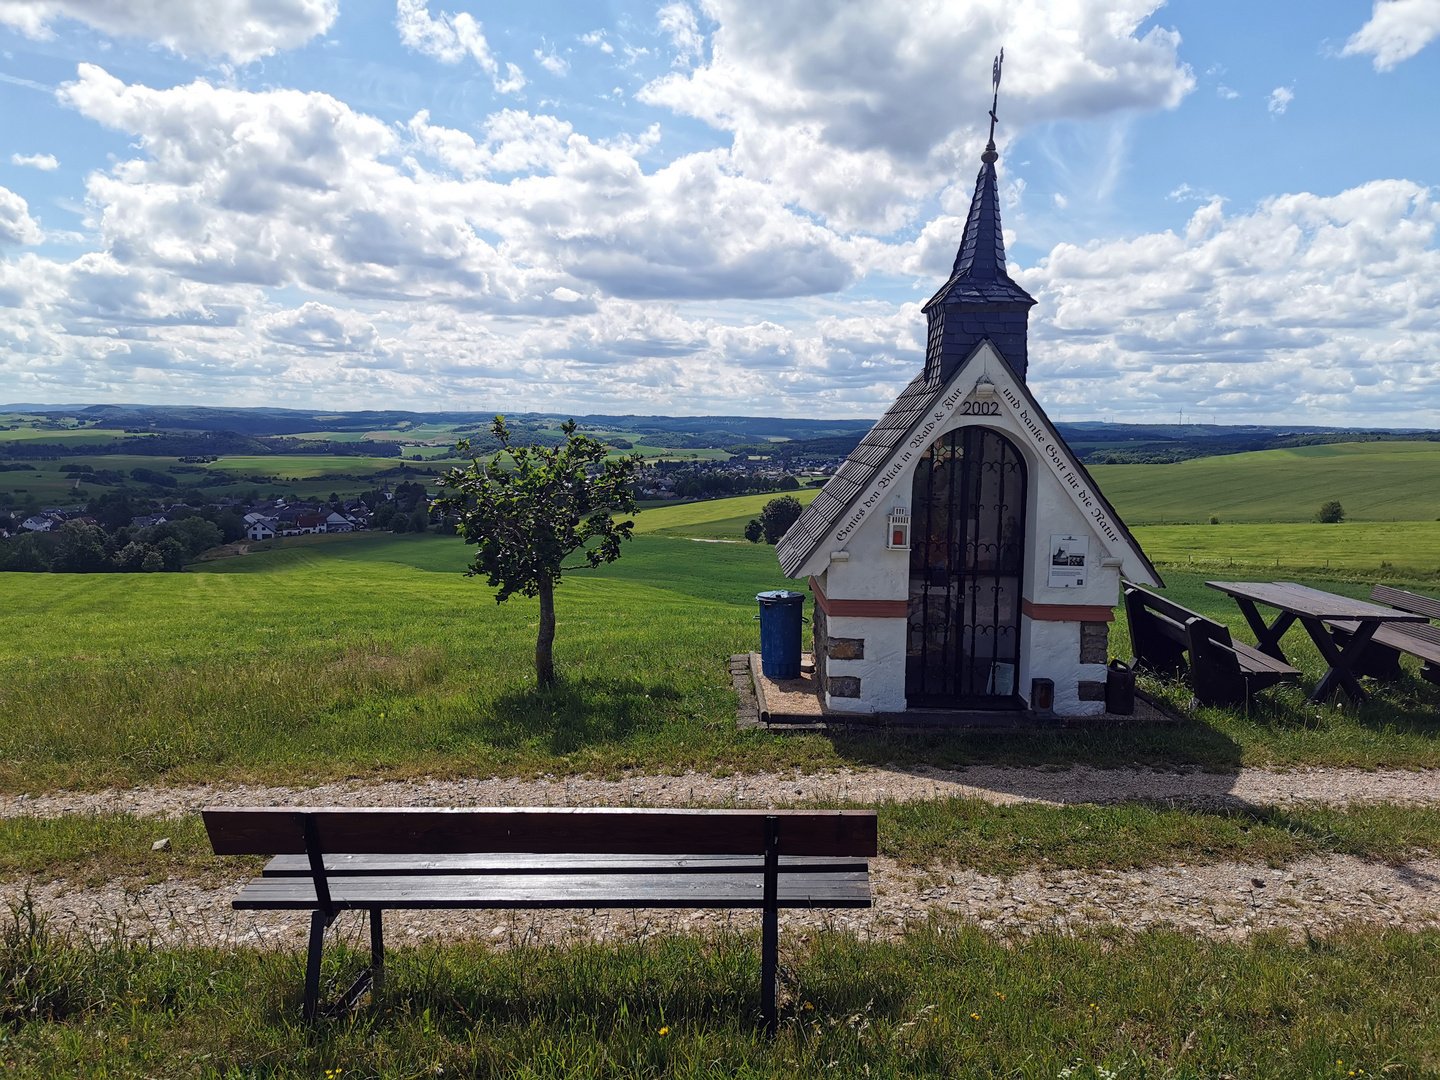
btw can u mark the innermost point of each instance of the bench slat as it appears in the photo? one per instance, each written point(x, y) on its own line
point(1417, 639)
point(1252, 661)
point(849, 889)
point(1407, 601)
point(521, 863)
point(541, 830)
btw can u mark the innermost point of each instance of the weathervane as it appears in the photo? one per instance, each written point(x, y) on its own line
point(990, 154)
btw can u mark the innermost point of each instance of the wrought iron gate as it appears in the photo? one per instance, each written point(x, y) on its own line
point(966, 560)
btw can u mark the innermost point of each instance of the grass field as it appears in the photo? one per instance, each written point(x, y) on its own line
point(947, 1000)
point(72, 437)
point(712, 518)
point(302, 466)
point(1374, 549)
point(374, 656)
point(1377, 481)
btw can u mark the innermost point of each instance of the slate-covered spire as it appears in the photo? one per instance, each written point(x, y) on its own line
point(979, 301)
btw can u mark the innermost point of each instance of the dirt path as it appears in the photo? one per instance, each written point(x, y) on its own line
point(1249, 787)
point(1227, 900)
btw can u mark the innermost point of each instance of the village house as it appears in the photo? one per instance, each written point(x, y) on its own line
point(259, 528)
point(304, 525)
point(962, 558)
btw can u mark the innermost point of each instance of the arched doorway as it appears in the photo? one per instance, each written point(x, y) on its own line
point(967, 555)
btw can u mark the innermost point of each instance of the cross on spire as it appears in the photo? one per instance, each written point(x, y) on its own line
point(990, 154)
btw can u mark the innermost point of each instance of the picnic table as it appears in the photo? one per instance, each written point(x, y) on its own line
point(1314, 608)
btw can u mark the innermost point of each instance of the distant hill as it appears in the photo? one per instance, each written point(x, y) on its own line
point(1386, 480)
point(1095, 442)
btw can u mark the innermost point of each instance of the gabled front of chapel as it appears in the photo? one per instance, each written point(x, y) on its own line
point(962, 558)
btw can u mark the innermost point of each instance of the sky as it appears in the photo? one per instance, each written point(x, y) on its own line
point(1227, 212)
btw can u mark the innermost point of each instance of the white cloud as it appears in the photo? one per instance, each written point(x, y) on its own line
point(321, 328)
point(857, 111)
point(1324, 307)
point(286, 188)
point(43, 162)
point(678, 21)
point(596, 40)
point(552, 61)
point(1226, 92)
point(1397, 30)
point(16, 224)
point(243, 30)
point(1280, 99)
point(451, 38)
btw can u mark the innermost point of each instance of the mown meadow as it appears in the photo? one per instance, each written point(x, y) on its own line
point(946, 1000)
point(374, 657)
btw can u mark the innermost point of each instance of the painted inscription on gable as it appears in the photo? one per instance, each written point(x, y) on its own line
point(914, 447)
point(1060, 465)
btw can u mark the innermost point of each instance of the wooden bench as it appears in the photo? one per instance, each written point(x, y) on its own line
point(1381, 657)
point(1222, 671)
point(333, 859)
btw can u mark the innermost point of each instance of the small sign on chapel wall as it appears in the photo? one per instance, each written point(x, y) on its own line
point(1068, 553)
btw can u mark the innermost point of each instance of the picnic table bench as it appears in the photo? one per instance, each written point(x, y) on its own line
point(1381, 658)
point(1317, 611)
point(1222, 671)
point(333, 859)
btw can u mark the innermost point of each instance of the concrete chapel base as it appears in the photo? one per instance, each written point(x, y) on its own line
point(794, 705)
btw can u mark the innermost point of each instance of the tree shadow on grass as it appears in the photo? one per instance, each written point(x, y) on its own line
point(577, 713)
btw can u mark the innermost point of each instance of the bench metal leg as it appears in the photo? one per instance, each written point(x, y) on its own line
point(770, 928)
point(318, 923)
point(377, 948)
point(769, 969)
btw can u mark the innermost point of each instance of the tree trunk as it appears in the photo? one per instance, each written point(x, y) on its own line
point(544, 644)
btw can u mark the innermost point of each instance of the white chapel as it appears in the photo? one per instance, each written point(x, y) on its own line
point(962, 558)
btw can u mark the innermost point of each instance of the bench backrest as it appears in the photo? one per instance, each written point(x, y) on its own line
point(1406, 601)
point(541, 830)
point(1163, 632)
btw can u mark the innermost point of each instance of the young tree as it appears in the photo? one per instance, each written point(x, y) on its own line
point(754, 531)
point(1330, 513)
point(528, 518)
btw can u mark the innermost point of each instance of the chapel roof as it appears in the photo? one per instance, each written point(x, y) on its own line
point(979, 275)
point(804, 537)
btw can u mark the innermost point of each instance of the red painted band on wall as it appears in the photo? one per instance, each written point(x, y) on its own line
point(1066, 612)
point(858, 609)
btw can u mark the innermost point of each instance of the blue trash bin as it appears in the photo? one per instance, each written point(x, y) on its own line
point(781, 613)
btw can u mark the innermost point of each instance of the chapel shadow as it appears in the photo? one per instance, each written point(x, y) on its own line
point(1184, 744)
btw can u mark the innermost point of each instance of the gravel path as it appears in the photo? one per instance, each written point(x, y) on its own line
point(1227, 900)
point(1252, 787)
